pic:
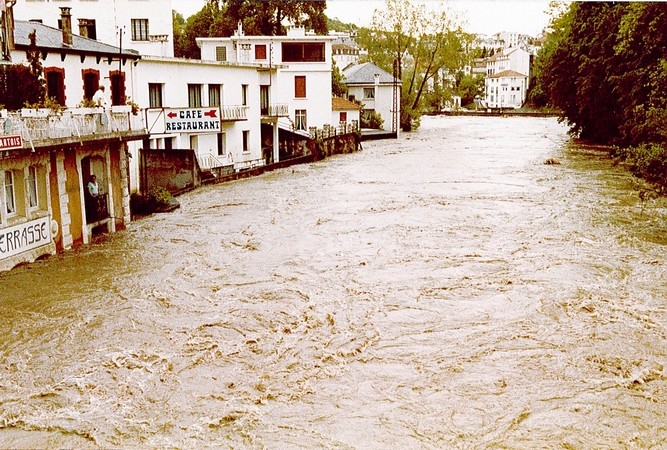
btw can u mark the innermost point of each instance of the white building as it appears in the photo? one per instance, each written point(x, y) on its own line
point(226, 95)
point(507, 76)
point(48, 155)
point(344, 111)
point(303, 77)
point(142, 25)
point(377, 92)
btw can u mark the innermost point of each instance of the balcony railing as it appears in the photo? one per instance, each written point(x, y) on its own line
point(276, 110)
point(76, 124)
point(97, 208)
point(232, 113)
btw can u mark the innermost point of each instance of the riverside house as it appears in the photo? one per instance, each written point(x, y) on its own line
point(301, 86)
point(48, 155)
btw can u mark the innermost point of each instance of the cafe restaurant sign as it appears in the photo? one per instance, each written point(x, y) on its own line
point(192, 120)
point(10, 142)
point(26, 236)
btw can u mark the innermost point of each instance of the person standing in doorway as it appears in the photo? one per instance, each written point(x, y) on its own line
point(93, 188)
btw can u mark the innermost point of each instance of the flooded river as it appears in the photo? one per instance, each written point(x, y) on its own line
point(446, 290)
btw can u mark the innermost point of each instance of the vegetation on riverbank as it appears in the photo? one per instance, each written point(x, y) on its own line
point(604, 67)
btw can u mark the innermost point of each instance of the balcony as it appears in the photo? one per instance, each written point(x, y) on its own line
point(43, 127)
point(276, 110)
point(233, 113)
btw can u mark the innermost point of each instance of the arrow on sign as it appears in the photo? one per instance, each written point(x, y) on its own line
point(211, 113)
point(171, 115)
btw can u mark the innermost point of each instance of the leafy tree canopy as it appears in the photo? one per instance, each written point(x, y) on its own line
point(220, 18)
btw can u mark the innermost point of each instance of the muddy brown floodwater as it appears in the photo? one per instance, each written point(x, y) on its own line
point(446, 290)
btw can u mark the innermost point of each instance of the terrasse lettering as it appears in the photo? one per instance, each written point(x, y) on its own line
point(12, 240)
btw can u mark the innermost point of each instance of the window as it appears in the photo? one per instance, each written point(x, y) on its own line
point(214, 95)
point(260, 51)
point(154, 95)
point(300, 86)
point(303, 51)
point(343, 117)
point(139, 29)
point(264, 99)
point(222, 143)
point(244, 94)
point(300, 119)
point(31, 185)
point(117, 87)
point(87, 28)
point(221, 53)
point(369, 93)
point(246, 140)
point(55, 84)
point(194, 95)
point(10, 202)
point(91, 81)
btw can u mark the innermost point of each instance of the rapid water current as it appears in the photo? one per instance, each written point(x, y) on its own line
point(444, 290)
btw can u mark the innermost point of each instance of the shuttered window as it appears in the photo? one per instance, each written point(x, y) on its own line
point(300, 86)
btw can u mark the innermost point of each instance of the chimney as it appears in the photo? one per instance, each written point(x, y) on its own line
point(9, 27)
point(66, 21)
point(83, 27)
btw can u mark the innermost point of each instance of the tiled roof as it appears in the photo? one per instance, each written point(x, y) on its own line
point(52, 38)
point(340, 104)
point(365, 74)
point(507, 73)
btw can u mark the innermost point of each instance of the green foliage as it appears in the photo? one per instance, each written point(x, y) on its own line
point(371, 119)
point(20, 84)
point(604, 67)
point(422, 43)
point(470, 86)
point(220, 18)
point(159, 196)
point(646, 161)
point(338, 87)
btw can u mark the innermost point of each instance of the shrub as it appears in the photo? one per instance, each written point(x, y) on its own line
point(646, 161)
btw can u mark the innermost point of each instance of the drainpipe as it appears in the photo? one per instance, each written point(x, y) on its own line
point(66, 20)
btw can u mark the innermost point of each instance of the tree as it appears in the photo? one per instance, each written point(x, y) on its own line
point(338, 87)
point(220, 18)
point(423, 43)
point(21, 84)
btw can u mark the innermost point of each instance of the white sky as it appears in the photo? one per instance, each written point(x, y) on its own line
point(479, 16)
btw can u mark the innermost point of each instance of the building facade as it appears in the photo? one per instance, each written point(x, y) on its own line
point(507, 75)
point(214, 108)
point(48, 155)
point(142, 25)
point(377, 91)
point(302, 80)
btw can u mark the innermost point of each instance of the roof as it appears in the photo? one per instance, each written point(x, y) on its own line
point(365, 74)
point(340, 104)
point(508, 73)
point(52, 38)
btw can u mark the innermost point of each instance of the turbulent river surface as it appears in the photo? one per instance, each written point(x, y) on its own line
point(445, 290)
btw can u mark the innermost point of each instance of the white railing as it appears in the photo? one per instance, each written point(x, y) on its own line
point(76, 123)
point(233, 112)
point(210, 161)
point(276, 110)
